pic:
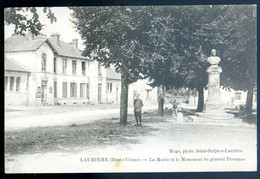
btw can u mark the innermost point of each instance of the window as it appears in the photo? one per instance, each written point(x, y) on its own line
point(116, 93)
point(18, 84)
point(55, 89)
point(109, 87)
point(64, 66)
point(44, 62)
point(87, 95)
point(73, 89)
point(64, 89)
point(148, 92)
point(238, 96)
point(55, 65)
point(83, 65)
point(11, 83)
point(99, 92)
point(74, 66)
point(99, 69)
point(82, 90)
point(38, 89)
point(6, 82)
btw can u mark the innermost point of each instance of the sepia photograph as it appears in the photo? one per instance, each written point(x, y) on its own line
point(116, 89)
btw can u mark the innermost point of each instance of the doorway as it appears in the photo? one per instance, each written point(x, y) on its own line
point(44, 92)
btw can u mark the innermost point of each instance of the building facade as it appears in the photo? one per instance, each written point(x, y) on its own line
point(113, 86)
point(59, 74)
point(16, 83)
point(48, 71)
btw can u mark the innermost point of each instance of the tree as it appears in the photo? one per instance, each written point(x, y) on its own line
point(179, 61)
point(26, 19)
point(166, 44)
point(230, 29)
point(163, 60)
point(112, 36)
point(239, 68)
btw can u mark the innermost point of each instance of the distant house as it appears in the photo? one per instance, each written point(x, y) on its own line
point(141, 87)
point(229, 97)
point(113, 90)
point(146, 92)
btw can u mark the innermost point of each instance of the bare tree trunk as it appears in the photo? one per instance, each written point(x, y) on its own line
point(123, 101)
point(200, 99)
point(160, 94)
point(249, 101)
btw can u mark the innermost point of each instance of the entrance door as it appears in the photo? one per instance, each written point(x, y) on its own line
point(44, 92)
point(99, 92)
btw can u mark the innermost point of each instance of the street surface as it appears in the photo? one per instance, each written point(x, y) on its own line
point(23, 118)
point(152, 142)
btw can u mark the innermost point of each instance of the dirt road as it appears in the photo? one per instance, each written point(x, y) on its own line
point(160, 145)
point(43, 117)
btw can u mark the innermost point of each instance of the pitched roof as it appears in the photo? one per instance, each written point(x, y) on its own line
point(112, 74)
point(19, 43)
point(11, 65)
point(66, 50)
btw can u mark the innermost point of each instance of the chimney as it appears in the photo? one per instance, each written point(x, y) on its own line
point(30, 36)
point(56, 38)
point(75, 43)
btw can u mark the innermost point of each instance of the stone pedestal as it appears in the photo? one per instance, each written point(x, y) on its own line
point(214, 108)
point(180, 118)
point(214, 102)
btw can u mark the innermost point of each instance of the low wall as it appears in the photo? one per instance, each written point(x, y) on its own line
point(16, 99)
point(71, 101)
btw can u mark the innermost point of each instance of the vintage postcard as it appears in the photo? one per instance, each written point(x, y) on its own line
point(104, 89)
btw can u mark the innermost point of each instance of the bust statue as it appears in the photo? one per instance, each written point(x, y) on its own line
point(214, 60)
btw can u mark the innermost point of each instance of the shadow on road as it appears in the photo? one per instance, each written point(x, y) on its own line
point(76, 137)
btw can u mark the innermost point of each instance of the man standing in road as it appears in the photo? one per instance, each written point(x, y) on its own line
point(138, 104)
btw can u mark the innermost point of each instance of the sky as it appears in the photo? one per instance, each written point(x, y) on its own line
point(63, 26)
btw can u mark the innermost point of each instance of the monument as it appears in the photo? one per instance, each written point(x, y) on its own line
point(214, 97)
point(214, 108)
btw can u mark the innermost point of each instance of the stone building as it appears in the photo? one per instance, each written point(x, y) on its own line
point(59, 74)
point(113, 89)
point(16, 83)
point(49, 71)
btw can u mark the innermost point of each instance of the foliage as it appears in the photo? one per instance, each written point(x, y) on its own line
point(112, 36)
point(180, 59)
point(183, 44)
point(240, 58)
point(25, 19)
point(168, 44)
